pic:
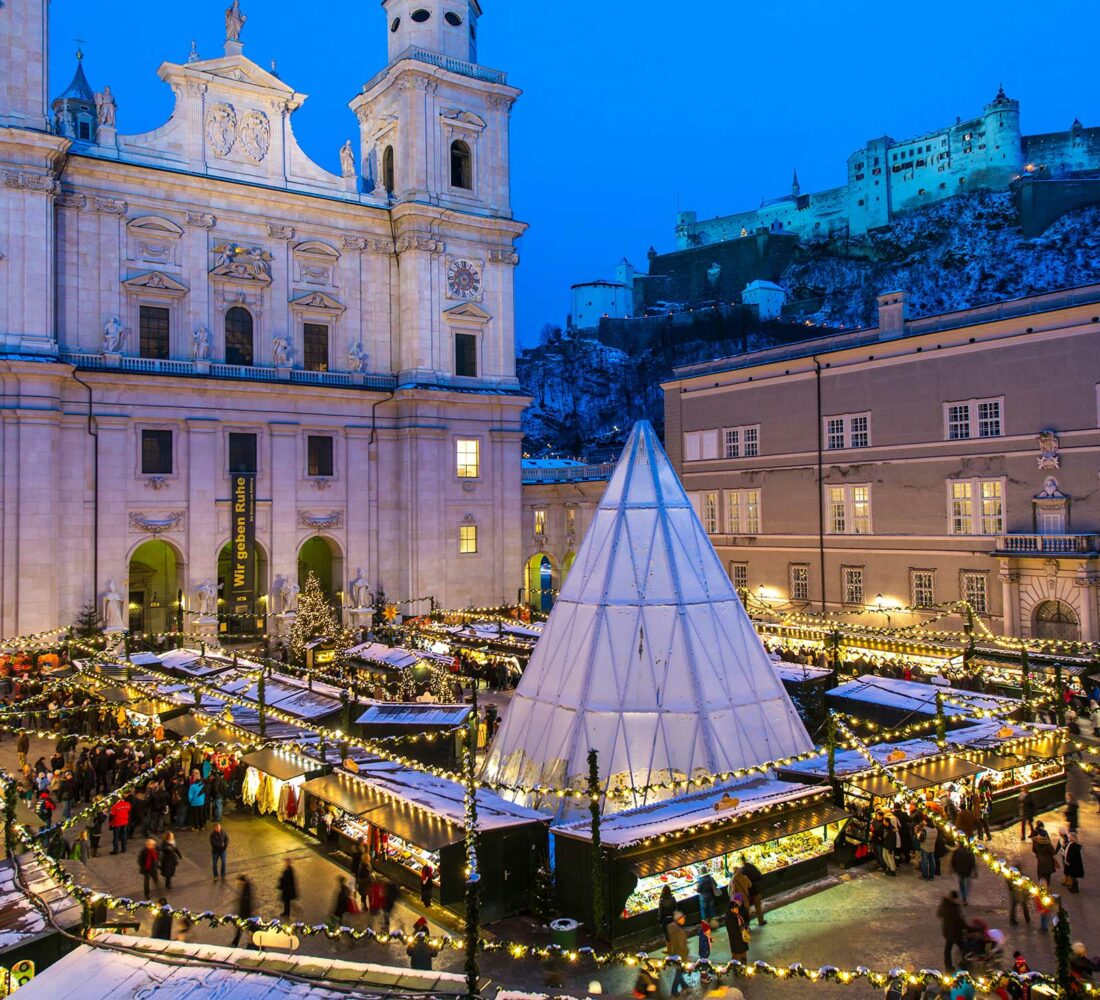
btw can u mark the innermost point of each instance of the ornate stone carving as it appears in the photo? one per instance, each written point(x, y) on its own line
point(201, 220)
point(234, 22)
point(281, 353)
point(1050, 490)
point(231, 260)
point(106, 107)
point(46, 183)
point(355, 243)
point(425, 244)
point(1048, 450)
point(347, 160)
point(110, 206)
point(384, 247)
point(321, 484)
point(156, 483)
point(357, 357)
point(221, 128)
point(254, 135)
point(497, 103)
point(503, 255)
point(200, 343)
point(74, 201)
point(155, 525)
point(197, 88)
point(317, 300)
point(321, 522)
point(277, 232)
point(113, 334)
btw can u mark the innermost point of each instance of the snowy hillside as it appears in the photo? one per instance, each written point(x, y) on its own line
point(959, 253)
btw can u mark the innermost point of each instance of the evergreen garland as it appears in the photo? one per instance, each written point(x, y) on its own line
point(1060, 694)
point(830, 744)
point(941, 721)
point(1025, 685)
point(473, 877)
point(597, 847)
point(11, 798)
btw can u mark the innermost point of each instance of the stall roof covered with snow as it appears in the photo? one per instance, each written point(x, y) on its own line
point(648, 656)
point(900, 696)
point(417, 714)
point(20, 921)
point(143, 967)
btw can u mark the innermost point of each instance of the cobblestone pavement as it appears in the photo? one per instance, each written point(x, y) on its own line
point(862, 918)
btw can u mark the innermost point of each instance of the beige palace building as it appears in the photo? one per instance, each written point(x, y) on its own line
point(923, 461)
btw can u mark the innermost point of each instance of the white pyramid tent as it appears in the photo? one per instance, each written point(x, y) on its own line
point(648, 655)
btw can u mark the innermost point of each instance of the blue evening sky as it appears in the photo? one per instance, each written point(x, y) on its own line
point(633, 107)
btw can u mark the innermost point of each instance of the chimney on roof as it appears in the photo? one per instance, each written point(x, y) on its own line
point(893, 312)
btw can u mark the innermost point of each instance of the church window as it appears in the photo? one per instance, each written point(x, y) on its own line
point(319, 455)
point(388, 170)
point(452, 19)
point(315, 347)
point(238, 336)
point(395, 24)
point(462, 164)
point(467, 539)
point(85, 131)
point(156, 453)
point(466, 355)
point(242, 454)
point(153, 332)
point(420, 15)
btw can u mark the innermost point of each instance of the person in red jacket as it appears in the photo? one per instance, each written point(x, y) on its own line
point(148, 865)
point(120, 825)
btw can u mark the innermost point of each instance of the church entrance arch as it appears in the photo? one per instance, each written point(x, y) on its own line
point(156, 580)
point(1056, 620)
point(324, 558)
point(232, 624)
point(541, 582)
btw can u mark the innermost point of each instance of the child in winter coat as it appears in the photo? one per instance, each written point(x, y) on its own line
point(705, 941)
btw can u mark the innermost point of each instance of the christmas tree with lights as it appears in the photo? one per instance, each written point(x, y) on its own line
point(317, 619)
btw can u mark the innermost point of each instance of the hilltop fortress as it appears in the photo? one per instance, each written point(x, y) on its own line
point(887, 177)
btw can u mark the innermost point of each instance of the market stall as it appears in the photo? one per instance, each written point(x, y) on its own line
point(378, 663)
point(410, 819)
point(440, 748)
point(786, 831)
point(273, 780)
point(891, 701)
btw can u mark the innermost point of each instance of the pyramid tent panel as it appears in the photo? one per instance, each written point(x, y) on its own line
point(648, 656)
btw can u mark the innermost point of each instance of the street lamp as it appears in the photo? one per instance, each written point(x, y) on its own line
point(880, 605)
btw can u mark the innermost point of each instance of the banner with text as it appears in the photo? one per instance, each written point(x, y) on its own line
point(242, 545)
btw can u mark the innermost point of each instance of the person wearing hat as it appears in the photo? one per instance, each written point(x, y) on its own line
point(677, 945)
point(705, 941)
point(421, 951)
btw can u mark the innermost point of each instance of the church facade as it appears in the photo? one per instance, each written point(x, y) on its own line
point(223, 367)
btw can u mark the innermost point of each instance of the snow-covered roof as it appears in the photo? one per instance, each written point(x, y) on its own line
point(391, 656)
point(760, 285)
point(648, 656)
point(140, 967)
point(913, 696)
point(798, 672)
point(19, 919)
point(382, 713)
point(725, 801)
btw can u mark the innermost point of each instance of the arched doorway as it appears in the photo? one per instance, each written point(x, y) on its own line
point(259, 607)
point(1056, 620)
point(322, 556)
point(567, 564)
point(155, 582)
point(540, 582)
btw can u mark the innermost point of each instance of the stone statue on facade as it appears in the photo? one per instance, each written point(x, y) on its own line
point(360, 590)
point(280, 351)
point(234, 22)
point(112, 335)
point(347, 160)
point(357, 357)
point(105, 107)
point(289, 594)
point(208, 598)
point(113, 609)
point(200, 342)
point(1048, 450)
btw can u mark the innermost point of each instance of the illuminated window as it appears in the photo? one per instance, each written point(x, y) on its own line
point(468, 458)
point(974, 591)
point(976, 506)
point(800, 581)
point(467, 539)
point(739, 574)
point(848, 430)
point(742, 512)
point(710, 513)
point(850, 510)
point(851, 578)
point(540, 523)
point(922, 588)
point(571, 519)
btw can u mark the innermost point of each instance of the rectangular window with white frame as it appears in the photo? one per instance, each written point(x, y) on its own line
point(848, 430)
point(851, 584)
point(849, 509)
point(540, 523)
point(700, 446)
point(710, 512)
point(742, 512)
point(976, 506)
point(922, 588)
point(800, 581)
point(468, 458)
point(741, 442)
point(973, 418)
point(739, 576)
point(974, 589)
point(467, 539)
